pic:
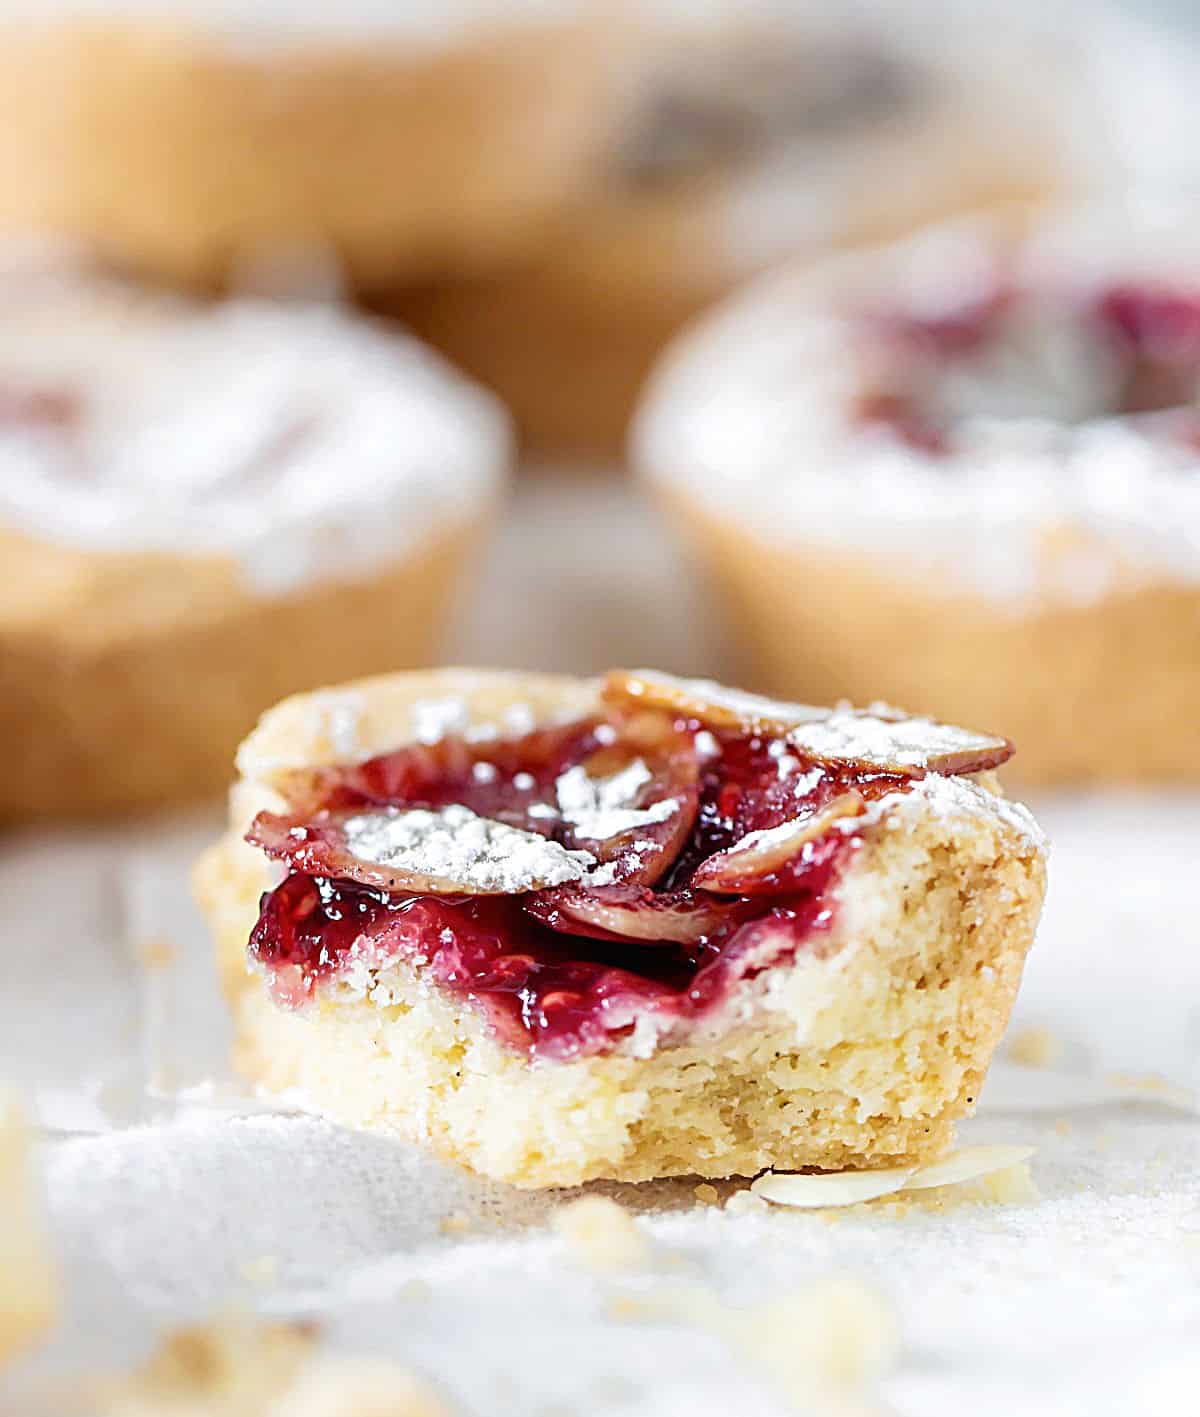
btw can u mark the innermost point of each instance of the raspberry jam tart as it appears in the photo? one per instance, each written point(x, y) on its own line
point(990, 444)
point(564, 930)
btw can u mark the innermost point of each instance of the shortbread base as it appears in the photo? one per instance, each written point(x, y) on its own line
point(127, 682)
point(1089, 692)
point(861, 1054)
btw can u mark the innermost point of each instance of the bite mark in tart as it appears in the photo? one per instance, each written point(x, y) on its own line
point(632, 940)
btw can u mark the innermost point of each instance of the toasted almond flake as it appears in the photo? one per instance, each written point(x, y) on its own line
point(759, 853)
point(967, 1163)
point(829, 1188)
point(907, 745)
point(707, 701)
point(879, 737)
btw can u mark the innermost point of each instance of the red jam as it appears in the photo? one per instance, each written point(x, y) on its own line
point(566, 971)
point(1153, 333)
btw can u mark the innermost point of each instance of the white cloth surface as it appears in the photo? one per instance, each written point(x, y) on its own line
point(171, 1193)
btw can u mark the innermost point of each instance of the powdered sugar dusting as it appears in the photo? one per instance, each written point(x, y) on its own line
point(886, 743)
point(454, 844)
point(951, 799)
point(600, 808)
point(300, 441)
point(762, 396)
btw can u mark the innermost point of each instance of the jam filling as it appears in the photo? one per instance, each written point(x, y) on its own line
point(678, 909)
point(1150, 335)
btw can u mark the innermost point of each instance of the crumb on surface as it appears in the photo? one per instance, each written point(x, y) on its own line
point(156, 953)
point(707, 1194)
point(600, 1233)
point(745, 1203)
point(242, 1367)
point(1035, 1047)
point(456, 1223)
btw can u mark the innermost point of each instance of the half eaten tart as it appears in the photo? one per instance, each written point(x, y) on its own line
point(561, 930)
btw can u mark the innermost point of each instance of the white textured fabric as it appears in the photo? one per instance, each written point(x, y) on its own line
point(172, 1194)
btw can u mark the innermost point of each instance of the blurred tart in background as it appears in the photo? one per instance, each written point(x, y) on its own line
point(203, 507)
point(963, 473)
point(735, 141)
point(194, 142)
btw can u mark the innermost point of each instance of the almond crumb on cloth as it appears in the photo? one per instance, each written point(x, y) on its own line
point(243, 1367)
point(1035, 1048)
point(600, 1233)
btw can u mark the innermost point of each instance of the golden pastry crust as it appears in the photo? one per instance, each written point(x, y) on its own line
point(638, 255)
point(862, 1052)
point(1094, 692)
point(191, 156)
point(128, 680)
point(28, 1297)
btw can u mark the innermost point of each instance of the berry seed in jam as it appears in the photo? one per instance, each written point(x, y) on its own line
point(641, 937)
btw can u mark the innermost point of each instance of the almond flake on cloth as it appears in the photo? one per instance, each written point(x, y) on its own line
point(817, 1190)
point(968, 1163)
point(454, 849)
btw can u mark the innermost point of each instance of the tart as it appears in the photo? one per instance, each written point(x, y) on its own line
point(964, 473)
point(206, 507)
point(737, 141)
point(204, 141)
point(559, 929)
point(27, 1289)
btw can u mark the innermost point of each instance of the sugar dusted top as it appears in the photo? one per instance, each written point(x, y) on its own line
point(1021, 419)
point(301, 441)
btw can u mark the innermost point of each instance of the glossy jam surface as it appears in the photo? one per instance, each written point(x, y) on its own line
point(1149, 335)
point(569, 970)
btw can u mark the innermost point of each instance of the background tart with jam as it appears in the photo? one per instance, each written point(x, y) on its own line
point(964, 473)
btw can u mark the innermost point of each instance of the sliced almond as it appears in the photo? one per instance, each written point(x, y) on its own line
point(966, 1164)
point(760, 854)
point(829, 1188)
point(908, 746)
point(451, 851)
point(880, 738)
point(634, 913)
point(709, 702)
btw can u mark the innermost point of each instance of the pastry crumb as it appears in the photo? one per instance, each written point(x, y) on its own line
point(1035, 1048)
point(456, 1223)
point(706, 1194)
point(156, 954)
point(745, 1203)
point(240, 1367)
point(838, 1335)
point(259, 1271)
point(600, 1233)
